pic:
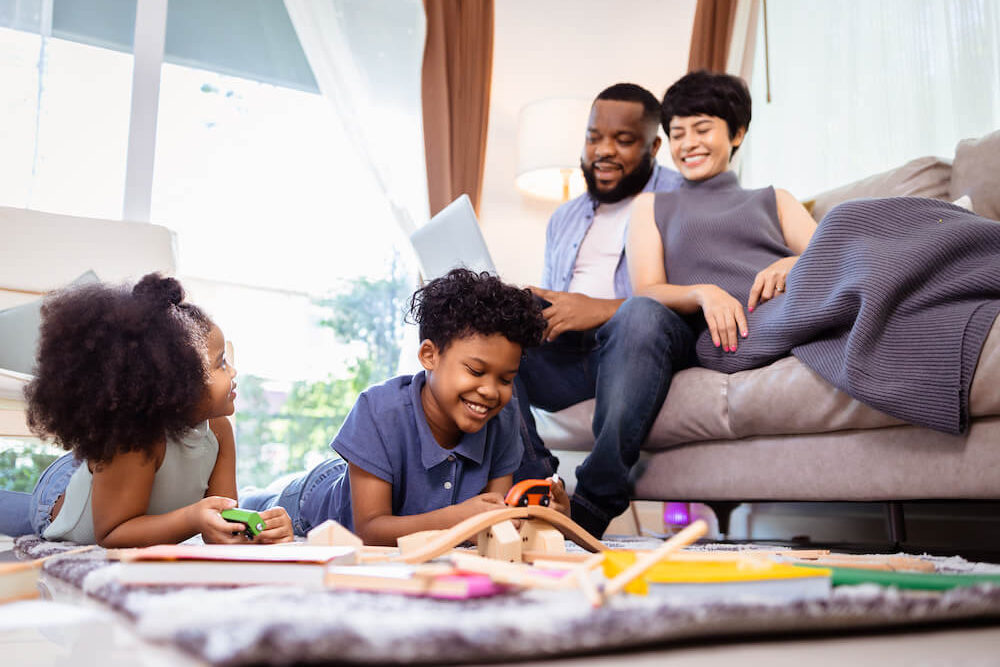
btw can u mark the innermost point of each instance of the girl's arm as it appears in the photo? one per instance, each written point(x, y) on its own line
point(648, 274)
point(277, 524)
point(375, 524)
point(797, 227)
point(120, 498)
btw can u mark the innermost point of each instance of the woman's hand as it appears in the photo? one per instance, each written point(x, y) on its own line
point(277, 526)
point(770, 282)
point(725, 317)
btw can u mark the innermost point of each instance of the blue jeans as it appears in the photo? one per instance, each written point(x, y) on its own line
point(25, 513)
point(627, 365)
point(306, 498)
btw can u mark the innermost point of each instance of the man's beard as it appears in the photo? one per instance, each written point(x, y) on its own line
point(630, 185)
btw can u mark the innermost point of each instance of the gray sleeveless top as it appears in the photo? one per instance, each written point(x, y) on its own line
point(181, 479)
point(716, 232)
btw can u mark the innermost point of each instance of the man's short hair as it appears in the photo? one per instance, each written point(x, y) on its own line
point(630, 92)
point(706, 93)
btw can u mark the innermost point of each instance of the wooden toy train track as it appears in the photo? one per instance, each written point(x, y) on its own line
point(471, 527)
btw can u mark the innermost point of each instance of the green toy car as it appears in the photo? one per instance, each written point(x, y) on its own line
point(254, 524)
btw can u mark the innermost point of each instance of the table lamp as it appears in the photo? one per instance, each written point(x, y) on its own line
point(550, 136)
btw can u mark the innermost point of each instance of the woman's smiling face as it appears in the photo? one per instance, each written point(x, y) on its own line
point(701, 146)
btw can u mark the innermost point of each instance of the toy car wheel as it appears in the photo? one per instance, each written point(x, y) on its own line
point(544, 502)
point(522, 501)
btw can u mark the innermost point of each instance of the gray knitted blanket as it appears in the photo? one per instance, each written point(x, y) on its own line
point(890, 303)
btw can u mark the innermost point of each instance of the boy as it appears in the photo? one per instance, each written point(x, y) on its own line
point(427, 451)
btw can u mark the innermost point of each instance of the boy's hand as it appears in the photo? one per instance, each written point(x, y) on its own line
point(558, 498)
point(484, 502)
point(277, 526)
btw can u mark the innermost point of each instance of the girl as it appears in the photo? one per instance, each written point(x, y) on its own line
point(136, 385)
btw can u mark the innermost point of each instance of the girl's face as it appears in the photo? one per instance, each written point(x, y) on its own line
point(220, 392)
point(467, 384)
point(700, 145)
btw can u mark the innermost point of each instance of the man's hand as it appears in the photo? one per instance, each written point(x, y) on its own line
point(571, 311)
point(770, 282)
point(724, 315)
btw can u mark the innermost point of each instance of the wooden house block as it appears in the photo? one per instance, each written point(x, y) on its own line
point(331, 533)
point(537, 535)
point(500, 541)
point(409, 543)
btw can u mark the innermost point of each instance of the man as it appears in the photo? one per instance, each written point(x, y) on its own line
point(599, 342)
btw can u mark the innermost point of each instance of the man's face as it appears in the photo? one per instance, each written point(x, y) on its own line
point(618, 152)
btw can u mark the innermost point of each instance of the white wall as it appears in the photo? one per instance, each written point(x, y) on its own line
point(565, 48)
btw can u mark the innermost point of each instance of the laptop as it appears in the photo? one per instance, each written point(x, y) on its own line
point(451, 239)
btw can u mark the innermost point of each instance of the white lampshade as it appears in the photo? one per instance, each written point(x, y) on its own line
point(550, 136)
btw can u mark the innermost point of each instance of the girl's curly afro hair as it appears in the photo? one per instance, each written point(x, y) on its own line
point(117, 368)
point(464, 303)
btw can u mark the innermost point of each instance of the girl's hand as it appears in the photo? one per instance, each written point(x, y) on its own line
point(725, 317)
point(770, 282)
point(277, 526)
point(214, 529)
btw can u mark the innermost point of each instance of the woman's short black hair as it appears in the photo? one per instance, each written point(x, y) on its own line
point(707, 93)
point(118, 369)
point(464, 303)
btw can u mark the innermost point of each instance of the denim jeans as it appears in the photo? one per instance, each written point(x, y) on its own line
point(303, 497)
point(627, 365)
point(25, 513)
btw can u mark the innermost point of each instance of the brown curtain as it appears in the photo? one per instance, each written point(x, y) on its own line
point(458, 65)
point(713, 28)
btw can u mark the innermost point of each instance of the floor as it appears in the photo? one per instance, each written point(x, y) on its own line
point(69, 628)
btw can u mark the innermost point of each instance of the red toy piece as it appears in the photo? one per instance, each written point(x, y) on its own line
point(529, 492)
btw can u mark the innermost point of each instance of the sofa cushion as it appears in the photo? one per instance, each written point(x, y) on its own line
point(783, 398)
point(974, 173)
point(922, 177)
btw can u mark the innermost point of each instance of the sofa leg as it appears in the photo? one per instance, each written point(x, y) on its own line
point(723, 510)
point(895, 523)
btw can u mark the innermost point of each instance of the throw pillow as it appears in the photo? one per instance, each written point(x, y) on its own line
point(922, 177)
point(975, 173)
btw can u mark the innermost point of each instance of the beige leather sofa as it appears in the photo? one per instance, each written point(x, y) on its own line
point(40, 252)
point(781, 433)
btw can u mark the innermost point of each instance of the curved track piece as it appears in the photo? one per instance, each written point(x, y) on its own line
point(466, 530)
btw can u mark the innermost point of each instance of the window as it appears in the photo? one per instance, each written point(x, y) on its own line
point(862, 86)
point(284, 235)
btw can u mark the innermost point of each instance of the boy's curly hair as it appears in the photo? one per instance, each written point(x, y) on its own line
point(118, 369)
point(463, 303)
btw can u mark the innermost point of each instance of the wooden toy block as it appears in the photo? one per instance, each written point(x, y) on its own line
point(500, 541)
point(331, 533)
point(415, 541)
point(537, 535)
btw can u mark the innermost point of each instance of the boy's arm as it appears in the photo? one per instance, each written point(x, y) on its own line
point(375, 524)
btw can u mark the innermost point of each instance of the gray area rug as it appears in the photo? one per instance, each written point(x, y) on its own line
point(280, 625)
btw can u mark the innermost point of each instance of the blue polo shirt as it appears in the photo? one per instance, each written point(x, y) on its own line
point(387, 435)
point(569, 225)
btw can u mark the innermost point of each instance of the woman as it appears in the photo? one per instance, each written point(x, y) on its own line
point(713, 246)
point(891, 302)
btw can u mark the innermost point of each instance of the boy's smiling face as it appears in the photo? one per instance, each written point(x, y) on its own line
point(468, 383)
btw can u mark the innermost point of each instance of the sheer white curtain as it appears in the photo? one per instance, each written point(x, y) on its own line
point(861, 86)
point(367, 58)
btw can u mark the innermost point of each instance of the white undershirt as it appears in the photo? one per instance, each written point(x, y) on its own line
point(594, 270)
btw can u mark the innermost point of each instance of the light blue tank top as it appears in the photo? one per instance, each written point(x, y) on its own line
point(181, 480)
